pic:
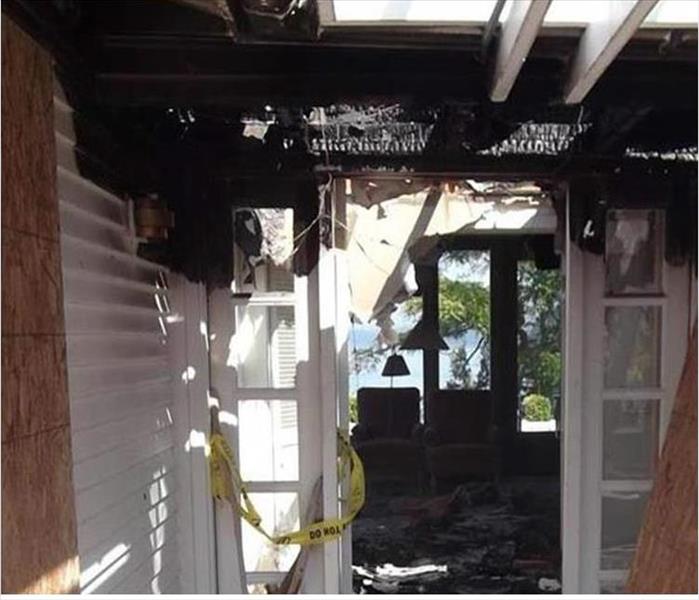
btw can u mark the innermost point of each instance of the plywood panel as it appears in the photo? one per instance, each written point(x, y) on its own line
point(39, 534)
point(28, 150)
point(666, 558)
point(32, 300)
point(38, 517)
point(31, 367)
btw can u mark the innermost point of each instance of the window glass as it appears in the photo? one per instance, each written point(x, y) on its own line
point(633, 259)
point(464, 319)
point(632, 347)
point(275, 422)
point(622, 515)
point(265, 346)
point(369, 347)
point(612, 586)
point(280, 514)
point(538, 346)
point(630, 444)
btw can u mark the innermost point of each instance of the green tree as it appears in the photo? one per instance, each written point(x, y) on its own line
point(464, 307)
point(353, 409)
point(539, 330)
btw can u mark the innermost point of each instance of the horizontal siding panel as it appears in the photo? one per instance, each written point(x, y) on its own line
point(83, 348)
point(66, 154)
point(147, 578)
point(82, 276)
point(168, 582)
point(98, 531)
point(76, 160)
point(95, 441)
point(63, 120)
point(139, 478)
point(130, 549)
point(82, 193)
point(96, 469)
point(86, 133)
point(87, 287)
point(88, 256)
point(85, 317)
point(89, 412)
point(87, 380)
point(79, 223)
point(72, 159)
point(120, 376)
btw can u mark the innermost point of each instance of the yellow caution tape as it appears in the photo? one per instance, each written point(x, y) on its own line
point(227, 485)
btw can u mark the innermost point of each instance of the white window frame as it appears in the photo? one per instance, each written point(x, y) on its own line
point(584, 397)
point(318, 352)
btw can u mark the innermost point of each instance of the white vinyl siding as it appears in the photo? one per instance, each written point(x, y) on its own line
point(121, 390)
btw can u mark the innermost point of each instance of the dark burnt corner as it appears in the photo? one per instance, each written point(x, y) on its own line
point(209, 103)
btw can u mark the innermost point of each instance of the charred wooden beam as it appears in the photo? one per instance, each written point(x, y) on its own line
point(540, 168)
point(52, 24)
point(186, 71)
point(670, 85)
point(189, 71)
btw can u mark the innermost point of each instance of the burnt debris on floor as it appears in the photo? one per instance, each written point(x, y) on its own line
point(480, 538)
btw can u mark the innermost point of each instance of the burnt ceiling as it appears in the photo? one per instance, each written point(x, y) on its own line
point(214, 102)
point(256, 86)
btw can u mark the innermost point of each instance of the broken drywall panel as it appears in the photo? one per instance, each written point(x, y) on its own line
point(384, 229)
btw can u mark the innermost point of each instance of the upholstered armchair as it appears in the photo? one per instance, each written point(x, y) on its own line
point(388, 437)
point(461, 441)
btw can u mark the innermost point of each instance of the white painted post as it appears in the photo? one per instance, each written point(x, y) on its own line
point(328, 411)
point(342, 306)
point(572, 414)
point(591, 433)
point(190, 366)
point(333, 308)
point(229, 559)
point(309, 412)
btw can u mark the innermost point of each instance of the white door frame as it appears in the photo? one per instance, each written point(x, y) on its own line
point(582, 482)
point(571, 412)
point(189, 361)
point(334, 334)
point(317, 388)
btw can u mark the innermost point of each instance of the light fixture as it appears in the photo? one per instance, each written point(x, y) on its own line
point(395, 367)
point(422, 337)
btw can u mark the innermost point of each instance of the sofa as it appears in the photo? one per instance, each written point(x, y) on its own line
point(461, 442)
point(388, 436)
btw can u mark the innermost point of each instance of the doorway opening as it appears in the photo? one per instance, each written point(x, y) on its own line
point(454, 380)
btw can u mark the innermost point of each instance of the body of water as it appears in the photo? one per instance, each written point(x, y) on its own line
point(364, 336)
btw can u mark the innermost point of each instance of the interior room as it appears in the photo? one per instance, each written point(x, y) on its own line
point(349, 296)
point(455, 380)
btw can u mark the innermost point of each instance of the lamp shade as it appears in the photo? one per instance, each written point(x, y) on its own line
point(395, 366)
point(422, 337)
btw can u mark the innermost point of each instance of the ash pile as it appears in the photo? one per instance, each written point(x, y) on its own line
point(481, 538)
